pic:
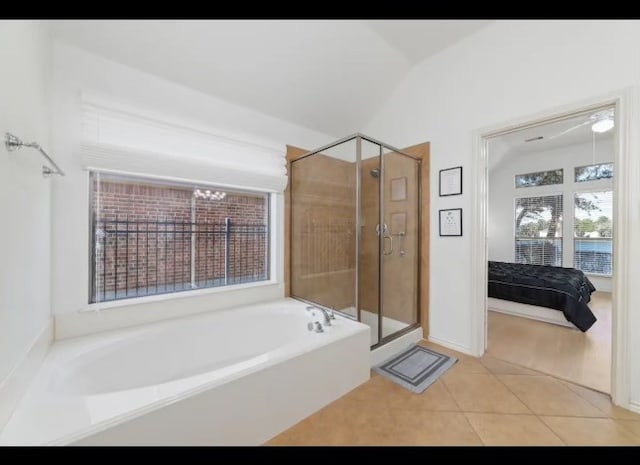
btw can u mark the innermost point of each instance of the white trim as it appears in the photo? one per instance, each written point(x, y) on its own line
point(109, 304)
point(479, 242)
point(450, 345)
point(634, 406)
point(15, 384)
point(625, 187)
point(626, 167)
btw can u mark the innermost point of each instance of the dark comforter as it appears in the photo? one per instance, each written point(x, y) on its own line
point(564, 289)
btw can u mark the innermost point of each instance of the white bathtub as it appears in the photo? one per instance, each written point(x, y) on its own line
point(235, 377)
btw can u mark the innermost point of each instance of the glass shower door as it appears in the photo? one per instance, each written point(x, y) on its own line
point(400, 255)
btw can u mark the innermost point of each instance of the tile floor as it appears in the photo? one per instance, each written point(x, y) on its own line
point(477, 402)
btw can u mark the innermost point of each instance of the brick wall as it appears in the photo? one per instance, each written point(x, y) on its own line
point(146, 242)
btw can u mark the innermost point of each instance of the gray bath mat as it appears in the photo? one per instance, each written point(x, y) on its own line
point(415, 368)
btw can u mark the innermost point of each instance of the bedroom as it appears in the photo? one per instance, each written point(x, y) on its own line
point(550, 246)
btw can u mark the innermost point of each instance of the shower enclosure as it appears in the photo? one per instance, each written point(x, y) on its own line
point(355, 233)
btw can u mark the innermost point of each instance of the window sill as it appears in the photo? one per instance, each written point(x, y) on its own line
point(597, 275)
point(173, 295)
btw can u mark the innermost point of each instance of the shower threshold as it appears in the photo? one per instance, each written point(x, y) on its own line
point(389, 325)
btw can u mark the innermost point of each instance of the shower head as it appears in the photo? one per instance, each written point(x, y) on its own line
point(12, 142)
point(375, 173)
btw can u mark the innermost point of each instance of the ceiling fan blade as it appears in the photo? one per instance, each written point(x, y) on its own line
point(566, 131)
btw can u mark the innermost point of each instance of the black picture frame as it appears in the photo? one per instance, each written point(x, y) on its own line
point(450, 172)
point(457, 218)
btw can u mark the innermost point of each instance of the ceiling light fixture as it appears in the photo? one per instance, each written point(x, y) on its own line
point(603, 124)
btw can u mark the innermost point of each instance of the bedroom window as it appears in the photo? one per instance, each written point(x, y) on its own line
point(154, 237)
point(538, 230)
point(540, 178)
point(593, 232)
point(593, 172)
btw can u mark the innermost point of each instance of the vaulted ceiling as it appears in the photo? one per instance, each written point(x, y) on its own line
point(327, 75)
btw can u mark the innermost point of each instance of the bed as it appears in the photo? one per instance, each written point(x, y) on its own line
point(562, 289)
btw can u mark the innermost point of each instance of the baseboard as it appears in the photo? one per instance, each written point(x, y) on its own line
point(634, 406)
point(15, 385)
point(387, 350)
point(450, 345)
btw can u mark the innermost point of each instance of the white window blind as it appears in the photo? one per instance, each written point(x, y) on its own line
point(116, 139)
point(538, 230)
point(593, 232)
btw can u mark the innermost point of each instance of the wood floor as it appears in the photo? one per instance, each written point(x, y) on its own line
point(482, 401)
point(569, 354)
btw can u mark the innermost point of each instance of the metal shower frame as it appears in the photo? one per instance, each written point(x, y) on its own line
point(359, 137)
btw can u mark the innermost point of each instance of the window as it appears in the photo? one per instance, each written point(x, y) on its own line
point(593, 172)
point(593, 232)
point(151, 237)
point(540, 178)
point(538, 222)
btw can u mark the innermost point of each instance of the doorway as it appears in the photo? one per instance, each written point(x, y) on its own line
point(622, 104)
point(550, 245)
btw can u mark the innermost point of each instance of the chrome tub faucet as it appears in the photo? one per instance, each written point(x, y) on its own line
point(328, 314)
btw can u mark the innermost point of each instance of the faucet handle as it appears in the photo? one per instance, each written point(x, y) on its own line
point(319, 327)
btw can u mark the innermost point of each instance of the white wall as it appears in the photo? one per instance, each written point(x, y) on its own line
point(76, 71)
point(502, 192)
point(25, 232)
point(509, 70)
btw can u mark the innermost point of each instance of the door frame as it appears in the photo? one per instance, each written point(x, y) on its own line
point(626, 143)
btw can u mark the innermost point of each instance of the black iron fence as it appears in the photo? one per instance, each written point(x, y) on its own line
point(132, 258)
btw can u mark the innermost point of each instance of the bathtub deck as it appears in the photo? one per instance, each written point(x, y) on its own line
point(230, 405)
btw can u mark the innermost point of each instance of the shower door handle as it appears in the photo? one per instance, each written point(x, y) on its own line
point(390, 237)
point(384, 229)
point(385, 235)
